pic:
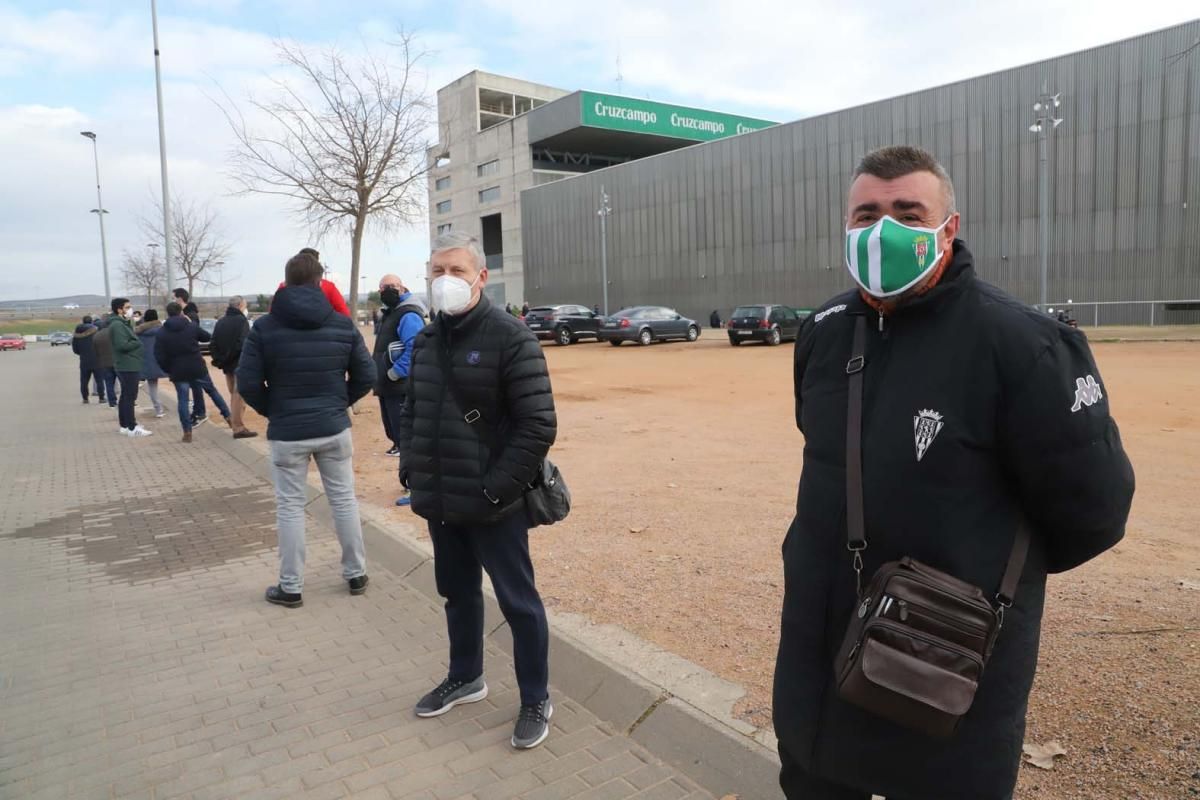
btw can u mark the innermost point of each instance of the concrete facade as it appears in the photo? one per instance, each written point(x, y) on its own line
point(759, 217)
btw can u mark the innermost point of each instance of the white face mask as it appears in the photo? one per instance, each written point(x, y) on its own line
point(452, 295)
point(129, 313)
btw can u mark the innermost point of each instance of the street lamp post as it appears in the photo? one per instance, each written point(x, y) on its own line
point(99, 211)
point(162, 146)
point(1046, 109)
point(603, 212)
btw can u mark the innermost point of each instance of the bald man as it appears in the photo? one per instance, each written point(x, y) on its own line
point(403, 319)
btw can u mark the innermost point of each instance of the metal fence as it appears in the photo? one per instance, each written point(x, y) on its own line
point(1130, 312)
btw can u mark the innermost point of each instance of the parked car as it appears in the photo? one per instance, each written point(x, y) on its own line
point(764, 323)
point(564, 324)
point(648, 324)
point(60, 337)
point(12, 341)
point(208, 325)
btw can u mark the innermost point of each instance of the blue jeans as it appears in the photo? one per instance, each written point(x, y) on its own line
point(200, 386)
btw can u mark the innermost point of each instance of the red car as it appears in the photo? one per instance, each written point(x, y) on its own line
point(12, 341)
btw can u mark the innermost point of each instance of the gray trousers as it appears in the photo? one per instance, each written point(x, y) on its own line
point(335, 461)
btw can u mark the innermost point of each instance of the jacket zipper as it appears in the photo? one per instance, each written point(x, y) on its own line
point(915, 578)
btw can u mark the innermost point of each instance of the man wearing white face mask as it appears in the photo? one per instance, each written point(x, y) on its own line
point(944, 423)
point(477, 422)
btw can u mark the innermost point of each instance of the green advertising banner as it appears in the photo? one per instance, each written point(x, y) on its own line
point(642, 116)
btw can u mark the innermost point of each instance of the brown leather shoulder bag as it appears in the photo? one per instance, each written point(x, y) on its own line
point(917, 647)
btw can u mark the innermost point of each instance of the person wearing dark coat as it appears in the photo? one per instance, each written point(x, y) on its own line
point(714, 319)
point(226, 349)
point(468, 469)
point(83, 344)
point(302, 367)
point(127, 362)
point(178, 353)
point(403, 319)
point(104, 360)
point(980, 415)
point(147, 333)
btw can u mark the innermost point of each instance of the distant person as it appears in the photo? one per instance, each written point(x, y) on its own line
point(83, 344)
point(332, 293)
point(137, 318)
point(714, 319)
point(190, 309)
point(468, 481)
point(127, 362)
point(225, 349)
point(104, 360)
point(403, 319)
point(178, 353)
point(963, 469)
point(376, 318)
point(595, 310)
point(525, 310)
point(148, 332)
point(302, 367)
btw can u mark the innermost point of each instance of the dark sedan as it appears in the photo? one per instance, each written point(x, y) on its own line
point(207, 325)
point(764, 323)
point(564, 324)
point(648, 324)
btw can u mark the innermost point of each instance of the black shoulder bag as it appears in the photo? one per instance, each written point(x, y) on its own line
point(916, 649)
point(547, 498)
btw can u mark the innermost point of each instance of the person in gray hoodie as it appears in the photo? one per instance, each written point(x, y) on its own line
point(147, 333)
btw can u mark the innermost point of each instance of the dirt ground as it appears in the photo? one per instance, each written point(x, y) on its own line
point(683, 462)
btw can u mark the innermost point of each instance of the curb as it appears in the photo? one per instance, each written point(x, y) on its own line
point(677, 710)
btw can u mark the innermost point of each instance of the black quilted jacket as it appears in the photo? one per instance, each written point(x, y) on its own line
point(450, 466)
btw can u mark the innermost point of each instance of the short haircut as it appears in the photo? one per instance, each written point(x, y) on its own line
point(308, 251)
point(236, 301)
point(118, 303)
point(302, 269)
point(150, 315)
point(896, 161)
point(174, 309)
point(87, 320)
point(461, 241)
point(182, 294)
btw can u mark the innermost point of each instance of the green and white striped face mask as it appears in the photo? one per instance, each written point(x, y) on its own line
point(889, 258)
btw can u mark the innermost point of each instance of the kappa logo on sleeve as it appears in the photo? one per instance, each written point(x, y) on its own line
point(1087, 393)
point(828, 311)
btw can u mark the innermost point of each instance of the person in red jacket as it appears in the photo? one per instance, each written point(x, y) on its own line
point(328, 288)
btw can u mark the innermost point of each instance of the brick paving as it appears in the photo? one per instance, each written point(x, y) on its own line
point(138, 660)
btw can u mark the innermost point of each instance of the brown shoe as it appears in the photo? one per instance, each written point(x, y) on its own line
point(245, 433)
point(187, 437)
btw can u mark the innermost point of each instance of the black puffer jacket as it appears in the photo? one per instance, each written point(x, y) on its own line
point(977, 411)
point(83, 344)
point(177, 349)
point(227, 339)
point(500, 368)
point(303, 365)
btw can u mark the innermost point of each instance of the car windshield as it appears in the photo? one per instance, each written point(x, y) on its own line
point(10, 336)
point(208, 324)
point(754, 312)
point(628, 313)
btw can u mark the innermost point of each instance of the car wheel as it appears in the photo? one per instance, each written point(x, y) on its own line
point(774, 338)
point(563, 336)
point(646, 337)
point(615, 342)
point(693, 333)
point(735, 342)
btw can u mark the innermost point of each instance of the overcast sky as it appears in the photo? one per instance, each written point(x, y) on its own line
point(88, 65)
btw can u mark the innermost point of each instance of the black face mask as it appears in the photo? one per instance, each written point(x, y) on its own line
point(390, 297)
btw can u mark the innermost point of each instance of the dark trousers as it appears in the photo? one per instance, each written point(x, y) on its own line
point(109, 376)
point(129, 393)
point(460, 554)
point(86, 374)
point(390, 408)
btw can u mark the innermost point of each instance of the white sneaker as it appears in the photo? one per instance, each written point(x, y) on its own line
point(159, 414)
point(124, 431)
point(140, 431)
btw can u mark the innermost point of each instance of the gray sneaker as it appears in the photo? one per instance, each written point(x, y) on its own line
point(449, 694)
point(533, 725)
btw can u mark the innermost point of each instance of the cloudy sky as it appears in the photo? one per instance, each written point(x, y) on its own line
point(88, 65)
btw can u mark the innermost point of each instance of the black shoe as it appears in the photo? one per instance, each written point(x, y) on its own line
point(358, 585)
point(395, 451)
point(450, 694)
point(197, 421)
point(533, 725)
point(281, 598)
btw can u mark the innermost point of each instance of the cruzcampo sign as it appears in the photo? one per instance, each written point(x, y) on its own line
point(642, 116)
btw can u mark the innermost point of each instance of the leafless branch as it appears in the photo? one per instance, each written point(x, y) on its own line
point(196, 238)
point(144, 273)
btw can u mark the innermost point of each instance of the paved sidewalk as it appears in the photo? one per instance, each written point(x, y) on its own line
point(138, 659)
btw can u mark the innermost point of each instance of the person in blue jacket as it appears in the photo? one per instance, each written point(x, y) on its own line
point(403, 319)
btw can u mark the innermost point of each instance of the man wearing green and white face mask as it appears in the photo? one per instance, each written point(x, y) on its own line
point(979, 413)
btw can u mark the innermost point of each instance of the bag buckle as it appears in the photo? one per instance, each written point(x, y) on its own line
point(855, 364)
point(1002, 603)
point(472, 416)
point(857, 548)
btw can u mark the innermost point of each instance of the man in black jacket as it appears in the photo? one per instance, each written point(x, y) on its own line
point(225, 349)
point(302, 367)
point(177, 350)
point(83, 344)
point(979, 414)
point(102, 344)
point(403, 317)
point(478, 421)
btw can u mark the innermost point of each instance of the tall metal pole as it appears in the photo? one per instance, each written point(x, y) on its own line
point(100, 212)
point(162, 147)
point(603, 213)
point(1044, 211)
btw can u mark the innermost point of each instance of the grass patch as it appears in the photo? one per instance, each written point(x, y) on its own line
point(36, 327)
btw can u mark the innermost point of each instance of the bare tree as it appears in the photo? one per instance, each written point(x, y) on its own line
point(196, 236)
point(348, 145)
point(144, 272)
